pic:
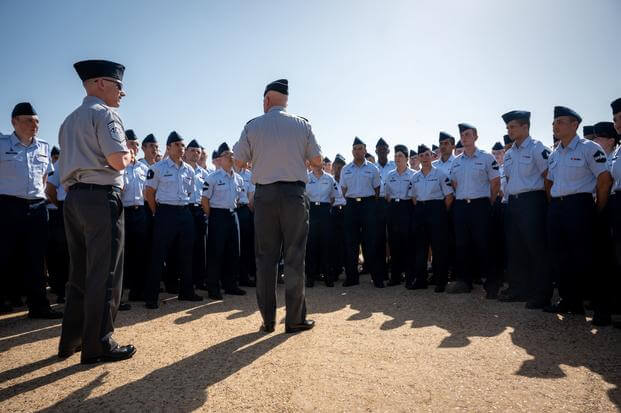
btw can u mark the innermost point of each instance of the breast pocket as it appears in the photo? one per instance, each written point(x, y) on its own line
point(168, 184)
point(479, 172)
point(576, 169)
point(40, 164)
point(526, 166)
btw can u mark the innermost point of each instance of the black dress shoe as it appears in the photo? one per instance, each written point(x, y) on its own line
point(458, 287)
point(193, 297)
point(267, 328)
point(247, 283)
point(296, 328)
point(152, 305)
point(116, 354)
point(66, 353)
point(439, 288)
point(235, 291)
point(392, 283)
point(46, 313)
point(125, 307)
point(350, 283)
point(215, 295)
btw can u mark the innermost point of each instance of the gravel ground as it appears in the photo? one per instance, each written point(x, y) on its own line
point(372, 350)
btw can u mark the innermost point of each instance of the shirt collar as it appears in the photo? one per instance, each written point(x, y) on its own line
point(93, 99)
point(277, 108)
point(573, 143)
point(448, 160)
point(474, 155)
point(527, 142)
point(15, 141)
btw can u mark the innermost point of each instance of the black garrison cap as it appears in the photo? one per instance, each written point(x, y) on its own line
point(403, 149)
point(507, 139)
point(516, 114)
point(605, 130)
point(464, 127)
point(368, 155)
point(587, 130)
point(280, 85)
point(326, 160)
point(422, 148)
point(150, 138)
point(193, 144)
point(214, 154)
point(412, 153)
point(130, 135)
point(434, 147)
point(173, 137)
point(23, 108)
point(563, 111)
point(339, 159)
point(381, 142)
point(223, 149)
point(497, 146)
point(55, 151)
point(616, 106)
point(444, 136)
point(89, 69)
point(459, 144)
point(358, 141)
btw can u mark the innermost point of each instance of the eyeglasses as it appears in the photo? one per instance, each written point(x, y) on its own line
point(118, 84)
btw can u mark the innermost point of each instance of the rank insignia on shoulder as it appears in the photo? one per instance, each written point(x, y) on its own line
point(599, 156)
point(150, 174)
point(545, 154)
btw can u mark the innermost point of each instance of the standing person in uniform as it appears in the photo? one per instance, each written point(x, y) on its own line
point(525, 168)
point(576, 171)
point(498, 218)
point(278, 144)
point(219, 200)
point(432, 196)
point(475, 180)
point(337, 219)
point(199, 257)
point(150, 149)
point(414, 161)
point(615, 203)
point(137, 223)
point(444, 163)
point(587, 132)
point(603, 282)
point(396, 186)
point(57, 253)
point(385, 166)
point(245, 216)
point(459, 148)
point(321, 190)
point(24, 166)
point(168, 189)
point(360, 184)
point(93, 154)
point(327, 165)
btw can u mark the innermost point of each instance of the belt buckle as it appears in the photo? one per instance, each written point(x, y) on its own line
point(397, 200)
point(317, 203)
point(358, 199)
point(468, 201)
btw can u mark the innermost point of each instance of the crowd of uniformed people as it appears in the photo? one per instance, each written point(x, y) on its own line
point(521, 219)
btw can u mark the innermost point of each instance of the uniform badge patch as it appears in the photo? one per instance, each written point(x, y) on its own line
point(545, 154)
point(150, 174)
point(599, 156)
point(116, 131)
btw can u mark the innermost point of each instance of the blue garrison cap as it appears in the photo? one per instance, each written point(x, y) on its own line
point(423, 148)
point(223, 149)
point(193, 144)
point(358, 141)
point(89, 69)
point(587, 130)
point(403, 149)
point(412, 153)
point(605, 130)
point(563, 111)
point(339, 159)
point(459, 144)
point(280, 85)
point(150, 138)
point(381, 142)
point(497, 146)
point(130, 135)
point(55, 151)
point(616, 106)
point(23, 108)
point(444, 136)
point(507, 139)
point(464, 127)
point(516, 114)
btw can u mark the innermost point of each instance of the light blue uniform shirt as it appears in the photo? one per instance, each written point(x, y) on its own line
point(134, 177)
point(433, 186)
point(474, 174)
point(339, 199)
point(615, 170)
point(173, 184)
point(444, 166)
point(575, 168)
point(322, 189)
point(524, 166)
point(248, 186)
point(200, 176)
point(22, 168)
point(397, 185)
point(360, 181)
point(54, 180)
point(223, 189)
point(384, 171)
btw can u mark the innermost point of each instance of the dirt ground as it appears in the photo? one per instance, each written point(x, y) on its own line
point(386, 350)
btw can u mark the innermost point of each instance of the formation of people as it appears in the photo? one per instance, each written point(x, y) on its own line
point(93, 218)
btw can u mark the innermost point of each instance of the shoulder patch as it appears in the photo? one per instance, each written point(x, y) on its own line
point(545, 154)
point(116, 131)
point(50, 174)
point(150, 174)
point(599, 156)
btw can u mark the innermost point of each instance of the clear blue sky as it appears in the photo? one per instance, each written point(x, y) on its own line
point(403, 70)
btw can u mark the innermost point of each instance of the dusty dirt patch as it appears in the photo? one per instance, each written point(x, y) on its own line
point(372, 350)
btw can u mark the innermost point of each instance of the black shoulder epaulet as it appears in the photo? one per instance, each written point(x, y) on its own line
point(250, 120)
point(302, 117)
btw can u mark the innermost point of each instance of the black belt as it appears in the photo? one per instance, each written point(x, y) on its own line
point(583, 196)
point(226, 211)
point(133, 207)
point(340, 207)
point(430, 202)
point(168, 206)
point(95, 187)
point(319, 204)
point(23, 202)
point(525, 195)
point(195, 206)
point(474, 200)
point(296, 183)
point(399, 200)
point(361, 199)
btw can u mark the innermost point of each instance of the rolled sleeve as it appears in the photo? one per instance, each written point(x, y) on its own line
point(242, 148)
point(596, 159)
point(445, 184)
point(312, 147)
point(377, 180)
point(541, 155)
point(153, 178)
